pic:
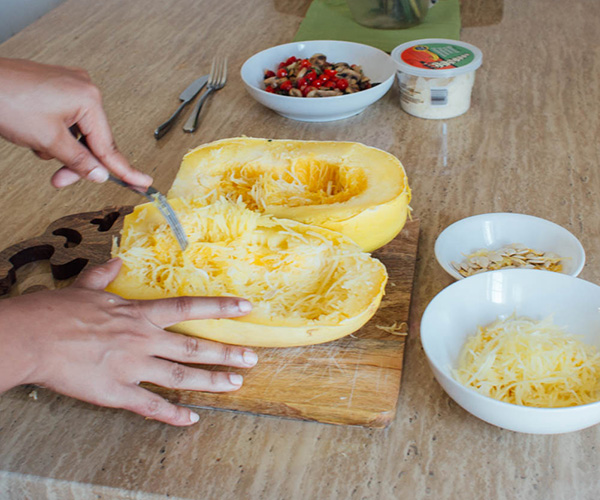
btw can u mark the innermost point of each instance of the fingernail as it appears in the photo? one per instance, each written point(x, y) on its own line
point(244, 306)
point(236, 379)
point(194, 417)
point(250, 357)
point(99, 174)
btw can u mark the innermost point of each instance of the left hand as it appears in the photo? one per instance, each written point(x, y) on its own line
point(97, 347)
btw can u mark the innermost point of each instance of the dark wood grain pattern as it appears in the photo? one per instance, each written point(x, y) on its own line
point(354, 380)
point(69, 244)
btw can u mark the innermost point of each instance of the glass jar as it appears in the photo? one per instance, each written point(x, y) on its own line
point(389, 14)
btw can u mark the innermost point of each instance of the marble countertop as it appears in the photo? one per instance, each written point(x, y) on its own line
point(528, 144)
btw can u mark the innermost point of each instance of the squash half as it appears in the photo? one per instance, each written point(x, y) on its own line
point(359, 191)
point(308, 285)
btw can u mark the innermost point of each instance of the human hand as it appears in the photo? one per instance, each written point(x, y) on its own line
point(38, 105)
point(97, 347)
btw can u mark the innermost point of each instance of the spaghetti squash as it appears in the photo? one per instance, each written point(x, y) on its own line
point(307, 284)
point(359, 191)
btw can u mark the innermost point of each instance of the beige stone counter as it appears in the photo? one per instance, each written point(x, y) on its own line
point(529, 144)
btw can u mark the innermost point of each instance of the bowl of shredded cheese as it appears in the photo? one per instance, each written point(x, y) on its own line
point(519, 349)
point(489, 242)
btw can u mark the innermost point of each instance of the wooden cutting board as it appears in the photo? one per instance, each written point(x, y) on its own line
point(353, 381)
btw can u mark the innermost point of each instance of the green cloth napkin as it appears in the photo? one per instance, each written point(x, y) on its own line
point(331, 20)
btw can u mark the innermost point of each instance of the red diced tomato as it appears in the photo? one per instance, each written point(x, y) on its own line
point(305, 63)
point(282, 73)
point(269, 74)
point(330, 72)
point(330, 84)
point(342, 84)
point(310, 77)
point(307, 89)
point(286, 86)
point(290, 60)
point(270, 90)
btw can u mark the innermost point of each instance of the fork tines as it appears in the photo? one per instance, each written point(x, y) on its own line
point(216, 80)
point(169, 214)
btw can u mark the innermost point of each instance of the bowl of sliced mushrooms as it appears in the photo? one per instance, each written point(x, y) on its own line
point(320, 80)
point(495, 241)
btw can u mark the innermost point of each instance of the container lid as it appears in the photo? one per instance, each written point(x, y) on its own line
point(436, 57)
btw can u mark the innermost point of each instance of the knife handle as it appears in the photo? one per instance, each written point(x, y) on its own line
point(163, 128)
point(190, 125)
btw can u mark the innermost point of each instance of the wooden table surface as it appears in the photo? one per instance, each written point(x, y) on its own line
point(528, 144)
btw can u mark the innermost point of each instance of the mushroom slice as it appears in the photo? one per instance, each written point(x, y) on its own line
point(318, 59)
point(328, 93)
point(341, 66)
point(349, 73)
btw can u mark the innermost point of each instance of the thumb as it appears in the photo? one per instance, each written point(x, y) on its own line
point(99, 277)
point(77, 157)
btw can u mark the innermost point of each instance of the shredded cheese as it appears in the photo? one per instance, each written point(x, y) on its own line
point(530, 363)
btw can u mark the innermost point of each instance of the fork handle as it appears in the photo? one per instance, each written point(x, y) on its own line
point(192, 121)
point(163, 128)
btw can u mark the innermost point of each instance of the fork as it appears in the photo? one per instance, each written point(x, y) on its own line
point(152, 194)
point(216, 81)
point(164, 207)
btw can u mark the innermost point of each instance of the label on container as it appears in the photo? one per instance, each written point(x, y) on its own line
point(439, 96)
point(437, 56)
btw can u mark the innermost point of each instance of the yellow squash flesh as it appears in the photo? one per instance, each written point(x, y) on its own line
point(359, 191)
point(307, 284)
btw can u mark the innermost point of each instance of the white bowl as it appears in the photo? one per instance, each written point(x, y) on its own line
point(376, 64)
point(456, 312)
point(493, 231)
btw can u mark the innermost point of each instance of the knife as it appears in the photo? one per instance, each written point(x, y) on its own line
point(186, 96)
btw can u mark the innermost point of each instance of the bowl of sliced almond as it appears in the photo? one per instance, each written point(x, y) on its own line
point(489, 242)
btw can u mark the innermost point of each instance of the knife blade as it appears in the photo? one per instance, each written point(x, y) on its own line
point(186, 96)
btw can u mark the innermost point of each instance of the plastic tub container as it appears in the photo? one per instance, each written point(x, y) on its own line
point(436, 76)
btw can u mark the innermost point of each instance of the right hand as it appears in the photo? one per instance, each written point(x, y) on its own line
point(97, 347)
point(38, 105)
